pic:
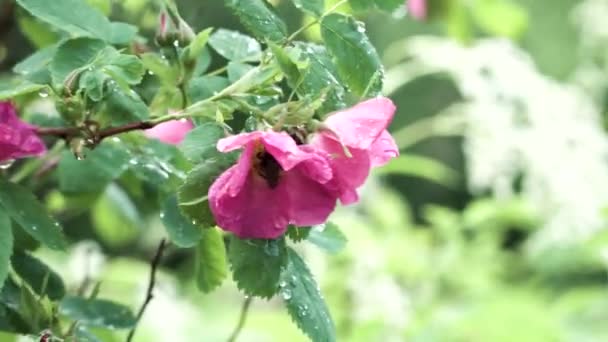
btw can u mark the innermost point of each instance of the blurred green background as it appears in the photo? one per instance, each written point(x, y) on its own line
point(490, 227)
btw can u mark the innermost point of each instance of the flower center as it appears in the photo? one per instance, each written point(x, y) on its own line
point(268, 168)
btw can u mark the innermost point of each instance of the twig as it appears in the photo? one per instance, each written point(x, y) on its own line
point(151, 284)
point(242, 319)
point(69, 132)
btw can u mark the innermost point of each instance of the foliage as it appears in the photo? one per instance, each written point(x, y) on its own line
point(426, 256)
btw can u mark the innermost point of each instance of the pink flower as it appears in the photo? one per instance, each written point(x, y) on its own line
point(417, 8)
point(357, 140)
point(17, 138)
point(275, 183)
point(171, 132)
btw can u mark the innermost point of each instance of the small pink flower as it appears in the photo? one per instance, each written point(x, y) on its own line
point(357, 140)
point(275, 183)
point(17, 138)
point(171, 132)
point(417, 8)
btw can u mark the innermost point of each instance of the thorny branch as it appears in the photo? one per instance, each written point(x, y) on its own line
point(149, 294)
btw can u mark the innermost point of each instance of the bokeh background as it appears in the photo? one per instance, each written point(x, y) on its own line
point(491, 226)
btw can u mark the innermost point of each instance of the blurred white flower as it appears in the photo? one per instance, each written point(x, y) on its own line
point(523, 126)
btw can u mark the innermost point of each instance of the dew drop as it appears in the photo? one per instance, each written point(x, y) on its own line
point(176, 43)
point(43, 93)
point(286, 294)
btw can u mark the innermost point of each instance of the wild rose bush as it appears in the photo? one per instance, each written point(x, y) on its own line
point(241, 160)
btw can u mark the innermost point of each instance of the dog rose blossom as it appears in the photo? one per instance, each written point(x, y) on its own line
point(274, 183)
point(357, 140)
point(171, 132)
point(17, 138)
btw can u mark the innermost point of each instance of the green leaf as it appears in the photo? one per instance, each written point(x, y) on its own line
point(192, 195)
point(122, 33)
point(160, 67)
point(32, 216)
point(237, 70)
point(101, 166)
point(97, 313)
point(313, 7)
point(196, 47)
point(6, 245)
point(260, 19)
point(180, 229)
point(204, 87)
point(297, 234)
point(235, 46)
point(367, 5)
point(320, 78)
point(304, 302)
point(211, 266)
point(78, 18)
point(123, 107)
point(328, 237)
point(42, 279)
point(9, 90)
point(115, 217)
point(36, 61)
point(93, 84)
point(125, 69)
point(347, 42)
point(200, 143)
point(257, 264)
point(74, 55)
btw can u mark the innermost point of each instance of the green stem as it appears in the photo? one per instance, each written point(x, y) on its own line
point(217, 71)
point(241, 323)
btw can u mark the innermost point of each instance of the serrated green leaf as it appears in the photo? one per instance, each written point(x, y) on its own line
point(347, 42)
point(78, 18)
point(200, 143)
point(320, 78)
point(93, 84)
point(235, 46)
point(211, 265)
point(180, 229)
point(260, 19)
point(6, 244)
point(21, 205)
point(257, 265)
point(127, 69)
point(304, 302)
point(101, 166)
point(74, 55)
point(328, 237)
point(123, 107)
point(192, 195)
point(97, 313)
point(43, 280)
point(313, 7)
